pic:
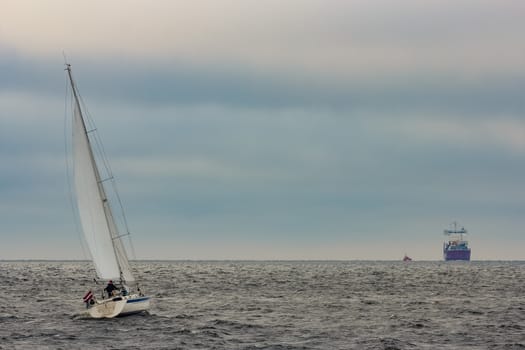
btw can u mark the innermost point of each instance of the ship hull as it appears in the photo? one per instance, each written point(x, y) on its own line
point(450, 255)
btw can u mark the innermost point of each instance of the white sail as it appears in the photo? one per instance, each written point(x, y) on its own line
point(100, 231)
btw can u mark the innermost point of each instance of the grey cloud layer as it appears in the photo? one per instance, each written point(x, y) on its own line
point(276, 123)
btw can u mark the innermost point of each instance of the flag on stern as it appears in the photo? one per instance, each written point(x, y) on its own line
point(89, 295)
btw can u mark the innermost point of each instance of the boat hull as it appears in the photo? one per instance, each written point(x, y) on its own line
point(119, 306)
point(134, 306)
point(450, 255)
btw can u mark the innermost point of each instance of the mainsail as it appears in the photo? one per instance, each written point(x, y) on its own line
point(98, 224)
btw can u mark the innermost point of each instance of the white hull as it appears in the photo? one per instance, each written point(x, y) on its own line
point(119, 306)
point(135, 306)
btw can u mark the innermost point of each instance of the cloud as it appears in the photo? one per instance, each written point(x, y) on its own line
point(485, 132)
point(331, 38)
point(296, 125)
point(162, 86)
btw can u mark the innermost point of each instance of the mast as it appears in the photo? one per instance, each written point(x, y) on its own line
point(456, 231)
point(119, 252)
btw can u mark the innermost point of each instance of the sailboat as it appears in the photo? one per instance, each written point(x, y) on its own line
point(99, 227)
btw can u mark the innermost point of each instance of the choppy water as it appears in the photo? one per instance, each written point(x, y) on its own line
point(273, 305)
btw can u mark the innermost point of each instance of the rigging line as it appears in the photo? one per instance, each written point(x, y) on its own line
point(132, 246)
point(101, 152)
point(67, 160)
point(104, 180)
point(124, 222)
point(124, 218)
point(122, 235)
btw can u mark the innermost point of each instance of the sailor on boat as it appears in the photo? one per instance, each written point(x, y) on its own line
point(110, 288)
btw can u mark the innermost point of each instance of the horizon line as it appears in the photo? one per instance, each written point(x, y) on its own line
point(253, 260)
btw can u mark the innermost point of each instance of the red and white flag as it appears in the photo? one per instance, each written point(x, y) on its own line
point(89, 295)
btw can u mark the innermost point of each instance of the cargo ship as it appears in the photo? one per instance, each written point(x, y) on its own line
point(456, 247)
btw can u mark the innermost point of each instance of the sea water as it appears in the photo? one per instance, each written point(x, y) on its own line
point(272, 305)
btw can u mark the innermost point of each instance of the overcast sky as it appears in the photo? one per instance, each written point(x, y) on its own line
point(248, 129)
